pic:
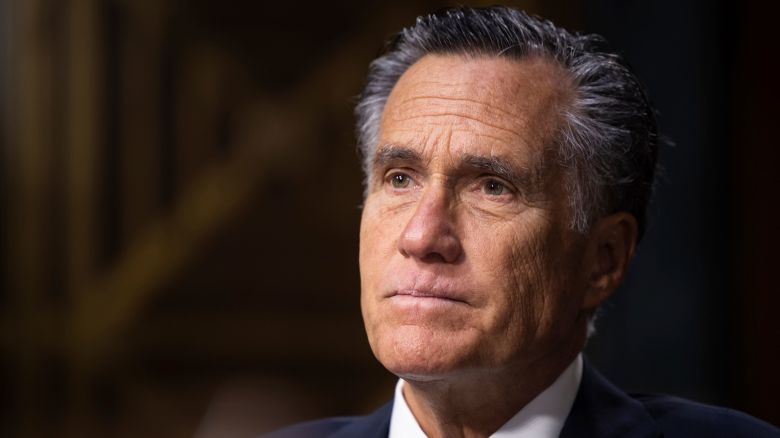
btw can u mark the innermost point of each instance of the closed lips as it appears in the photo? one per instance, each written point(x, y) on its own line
point(418, 293)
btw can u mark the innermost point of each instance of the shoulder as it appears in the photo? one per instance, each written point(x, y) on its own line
point(373, 425)
point(685, 418)
point(316, 428)
point(603, 410)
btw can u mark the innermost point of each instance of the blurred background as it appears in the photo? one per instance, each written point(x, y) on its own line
point(179, 207)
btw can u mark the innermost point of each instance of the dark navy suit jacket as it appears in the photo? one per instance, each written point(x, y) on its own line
point(600, 410)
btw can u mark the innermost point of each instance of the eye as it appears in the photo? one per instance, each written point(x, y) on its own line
point(400, 180)
point(494, 188)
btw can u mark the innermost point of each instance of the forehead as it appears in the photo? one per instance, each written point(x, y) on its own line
point(484, 105)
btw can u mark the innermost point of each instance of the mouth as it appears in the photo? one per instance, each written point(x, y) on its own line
point(422, 294)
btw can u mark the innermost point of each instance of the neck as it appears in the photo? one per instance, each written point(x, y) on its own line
point(478, 403)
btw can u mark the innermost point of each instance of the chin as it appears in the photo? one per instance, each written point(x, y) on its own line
point(418, 353)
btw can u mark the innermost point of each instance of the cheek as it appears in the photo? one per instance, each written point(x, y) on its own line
point(378, 234)
point(378, 242)
point(527, 276)
point(516, 266)
point(515, 256)
point(547, 296)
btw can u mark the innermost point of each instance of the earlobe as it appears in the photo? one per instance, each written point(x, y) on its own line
point(611, 245)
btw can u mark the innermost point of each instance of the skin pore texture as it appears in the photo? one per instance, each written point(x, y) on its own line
point(475, 289)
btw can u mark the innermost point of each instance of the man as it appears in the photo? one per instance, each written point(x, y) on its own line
point(508, 166)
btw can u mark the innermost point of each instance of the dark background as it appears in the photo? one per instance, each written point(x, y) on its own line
point(179, 199)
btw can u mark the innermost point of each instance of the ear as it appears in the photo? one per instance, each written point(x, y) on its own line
point(610, 247)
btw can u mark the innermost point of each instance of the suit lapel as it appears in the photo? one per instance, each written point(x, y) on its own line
point(602, 410)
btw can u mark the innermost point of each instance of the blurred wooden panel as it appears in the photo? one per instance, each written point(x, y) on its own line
point(140, 32)
point(33, 160)
point(84, 128)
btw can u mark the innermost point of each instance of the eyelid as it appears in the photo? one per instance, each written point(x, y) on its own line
point(508, 185)
point(391, 172)
point(398, 170)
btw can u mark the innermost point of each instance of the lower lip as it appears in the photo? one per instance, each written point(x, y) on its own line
point(422, 303)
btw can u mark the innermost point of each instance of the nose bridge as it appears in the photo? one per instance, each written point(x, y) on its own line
point(436, 197)
point(431, 232)
point(432, 210)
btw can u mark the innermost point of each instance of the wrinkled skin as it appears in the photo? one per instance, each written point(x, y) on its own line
point(470, 271)
point(507, 254)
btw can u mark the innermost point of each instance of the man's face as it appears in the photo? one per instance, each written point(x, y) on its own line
point(467, 259)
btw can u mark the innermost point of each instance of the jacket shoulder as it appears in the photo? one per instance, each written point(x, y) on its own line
point(374, 425)
point(601, 410)
point(315, 429)
point(677, 417)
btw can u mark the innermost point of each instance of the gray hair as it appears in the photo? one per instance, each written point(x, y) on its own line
point(607, 140)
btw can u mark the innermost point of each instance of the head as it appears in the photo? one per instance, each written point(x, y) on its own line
point(508, 166)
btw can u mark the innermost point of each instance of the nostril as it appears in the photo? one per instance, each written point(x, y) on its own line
point(434, 245)
point(433, 258)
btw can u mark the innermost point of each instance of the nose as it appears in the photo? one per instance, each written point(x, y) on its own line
point(430, 234)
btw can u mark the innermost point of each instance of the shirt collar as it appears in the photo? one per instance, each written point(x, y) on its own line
point(542, 417)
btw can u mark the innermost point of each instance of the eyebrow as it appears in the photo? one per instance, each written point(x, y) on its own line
point(392, 153)
point(526, 179)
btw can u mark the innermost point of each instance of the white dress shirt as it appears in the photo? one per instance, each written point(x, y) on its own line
point(542, 417)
